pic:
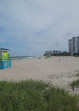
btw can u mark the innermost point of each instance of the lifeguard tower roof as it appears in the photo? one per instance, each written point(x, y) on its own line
point(3, 49)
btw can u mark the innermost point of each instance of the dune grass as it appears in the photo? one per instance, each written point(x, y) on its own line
point(47, 57)
point(75, 84)
point(32, 95)
point(77, 75)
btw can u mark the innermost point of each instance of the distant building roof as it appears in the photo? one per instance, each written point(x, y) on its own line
point(3, 49)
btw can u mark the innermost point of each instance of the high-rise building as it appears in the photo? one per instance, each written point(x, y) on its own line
point(77, 44)
point(70, 45)
point(74, 45)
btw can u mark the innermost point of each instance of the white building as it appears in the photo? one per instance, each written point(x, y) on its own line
point(74, 45)
point(52, 52)
point(77, 44)
point(70, 45)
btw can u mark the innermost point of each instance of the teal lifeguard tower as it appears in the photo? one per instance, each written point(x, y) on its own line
point(5, 61)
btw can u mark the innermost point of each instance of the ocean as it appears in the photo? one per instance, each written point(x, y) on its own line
point(21, 57)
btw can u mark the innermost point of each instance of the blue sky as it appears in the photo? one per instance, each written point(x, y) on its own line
point(30, 27)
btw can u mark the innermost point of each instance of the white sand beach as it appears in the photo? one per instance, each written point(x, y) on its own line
point(60, 71)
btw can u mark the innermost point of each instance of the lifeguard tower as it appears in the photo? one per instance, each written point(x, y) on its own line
point(5, 61)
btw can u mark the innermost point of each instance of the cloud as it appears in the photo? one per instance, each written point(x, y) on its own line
point(40, 25)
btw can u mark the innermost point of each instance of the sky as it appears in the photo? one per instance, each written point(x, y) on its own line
point(31, 27)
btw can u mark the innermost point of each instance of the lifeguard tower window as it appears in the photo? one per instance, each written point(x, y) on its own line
point(6, 64)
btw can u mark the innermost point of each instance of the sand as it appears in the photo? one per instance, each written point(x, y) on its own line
point(60, 71)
